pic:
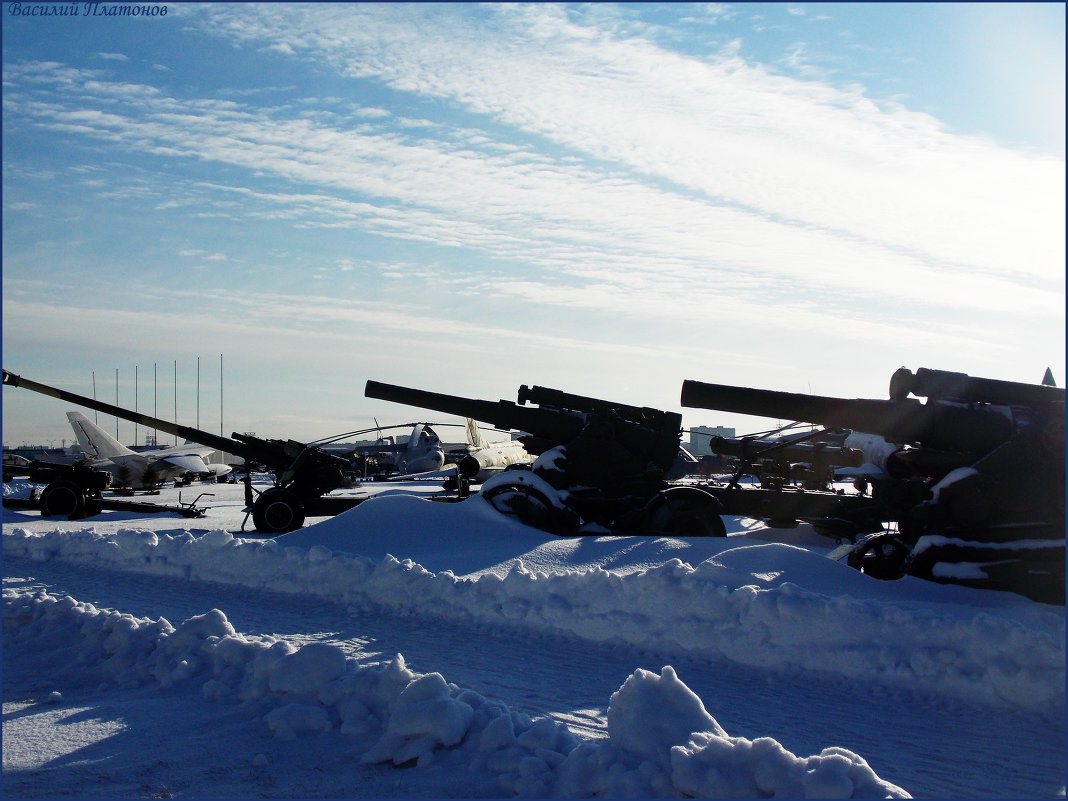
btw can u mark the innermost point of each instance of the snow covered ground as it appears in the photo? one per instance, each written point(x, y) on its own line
point(409, 648)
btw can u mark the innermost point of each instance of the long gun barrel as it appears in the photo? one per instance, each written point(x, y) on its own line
point(901, 420)
point(946, 385)
point(186, 432)
point(277, 454)
point(644, 434)
point(500, 414)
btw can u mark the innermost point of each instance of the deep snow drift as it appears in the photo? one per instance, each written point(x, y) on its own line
point(746, 599)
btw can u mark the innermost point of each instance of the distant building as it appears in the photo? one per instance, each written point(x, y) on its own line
point(700, 435)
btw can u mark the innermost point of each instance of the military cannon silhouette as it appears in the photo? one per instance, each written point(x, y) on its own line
point(976, 490)
point(602, 467)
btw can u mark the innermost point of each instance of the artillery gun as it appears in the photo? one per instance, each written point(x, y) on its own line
point(807, 459)
point(601, 467)
point(975, 492)
point(304, 473)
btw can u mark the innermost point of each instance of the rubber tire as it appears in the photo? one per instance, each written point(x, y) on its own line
point(94, 503)
point(883, 557)
point(686, 512)
point(63, 498)
point(277, 511)
point(526, 504)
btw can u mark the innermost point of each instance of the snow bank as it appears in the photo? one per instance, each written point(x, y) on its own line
point(661, 740)
point(472, 538)
point(765, 605)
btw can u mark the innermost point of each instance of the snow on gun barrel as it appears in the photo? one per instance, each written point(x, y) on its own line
point(975, 492)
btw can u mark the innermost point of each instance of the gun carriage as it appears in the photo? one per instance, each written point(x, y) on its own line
point(975, 493)
point(601, 467)
point(808, 459)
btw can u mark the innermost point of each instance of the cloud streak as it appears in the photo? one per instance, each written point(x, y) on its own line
point(523, 206)
point(731, 132)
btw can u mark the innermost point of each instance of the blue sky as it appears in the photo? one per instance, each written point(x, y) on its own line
point(607, 199)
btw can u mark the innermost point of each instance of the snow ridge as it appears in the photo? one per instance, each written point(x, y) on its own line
point(413, 718)
point(980, 657)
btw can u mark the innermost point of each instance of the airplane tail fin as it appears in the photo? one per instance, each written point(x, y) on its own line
point(1047, 379)
point(474, 436)
point(93, 439)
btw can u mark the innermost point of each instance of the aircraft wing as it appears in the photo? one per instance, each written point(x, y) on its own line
point(190, 461)
point(188, 449)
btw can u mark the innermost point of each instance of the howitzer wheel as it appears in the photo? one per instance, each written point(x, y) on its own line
point(527, 504)
point(277, 511)
point(881, 556)
point(686, 512)
point(63, 498)
point(94, 503)
point(1032, 566)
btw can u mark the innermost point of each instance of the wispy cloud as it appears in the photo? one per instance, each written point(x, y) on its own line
point(566, 217)
point(732, 133)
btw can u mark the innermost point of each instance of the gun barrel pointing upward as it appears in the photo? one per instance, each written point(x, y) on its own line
point(192, 434)
point(500, 414)
point(901, 420)
point(481, 410)
point(859, 414)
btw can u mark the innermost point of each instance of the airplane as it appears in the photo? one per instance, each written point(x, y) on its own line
point(145, 470)
point(481, 459)
point(423, 453)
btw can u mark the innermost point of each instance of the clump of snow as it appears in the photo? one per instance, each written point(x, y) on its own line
point(711, 766)
point(649, 711)
point(424, 718)
point(308, 670)
point(661, 740)
point(293, 719)
point(759, 597)
point(531, 479)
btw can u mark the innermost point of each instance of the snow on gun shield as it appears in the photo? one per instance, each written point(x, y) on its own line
point(976, 488)
point(601, 466)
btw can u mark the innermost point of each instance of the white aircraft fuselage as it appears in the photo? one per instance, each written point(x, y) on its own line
point(422, 453)
point(145, 470)
point(492, 457)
